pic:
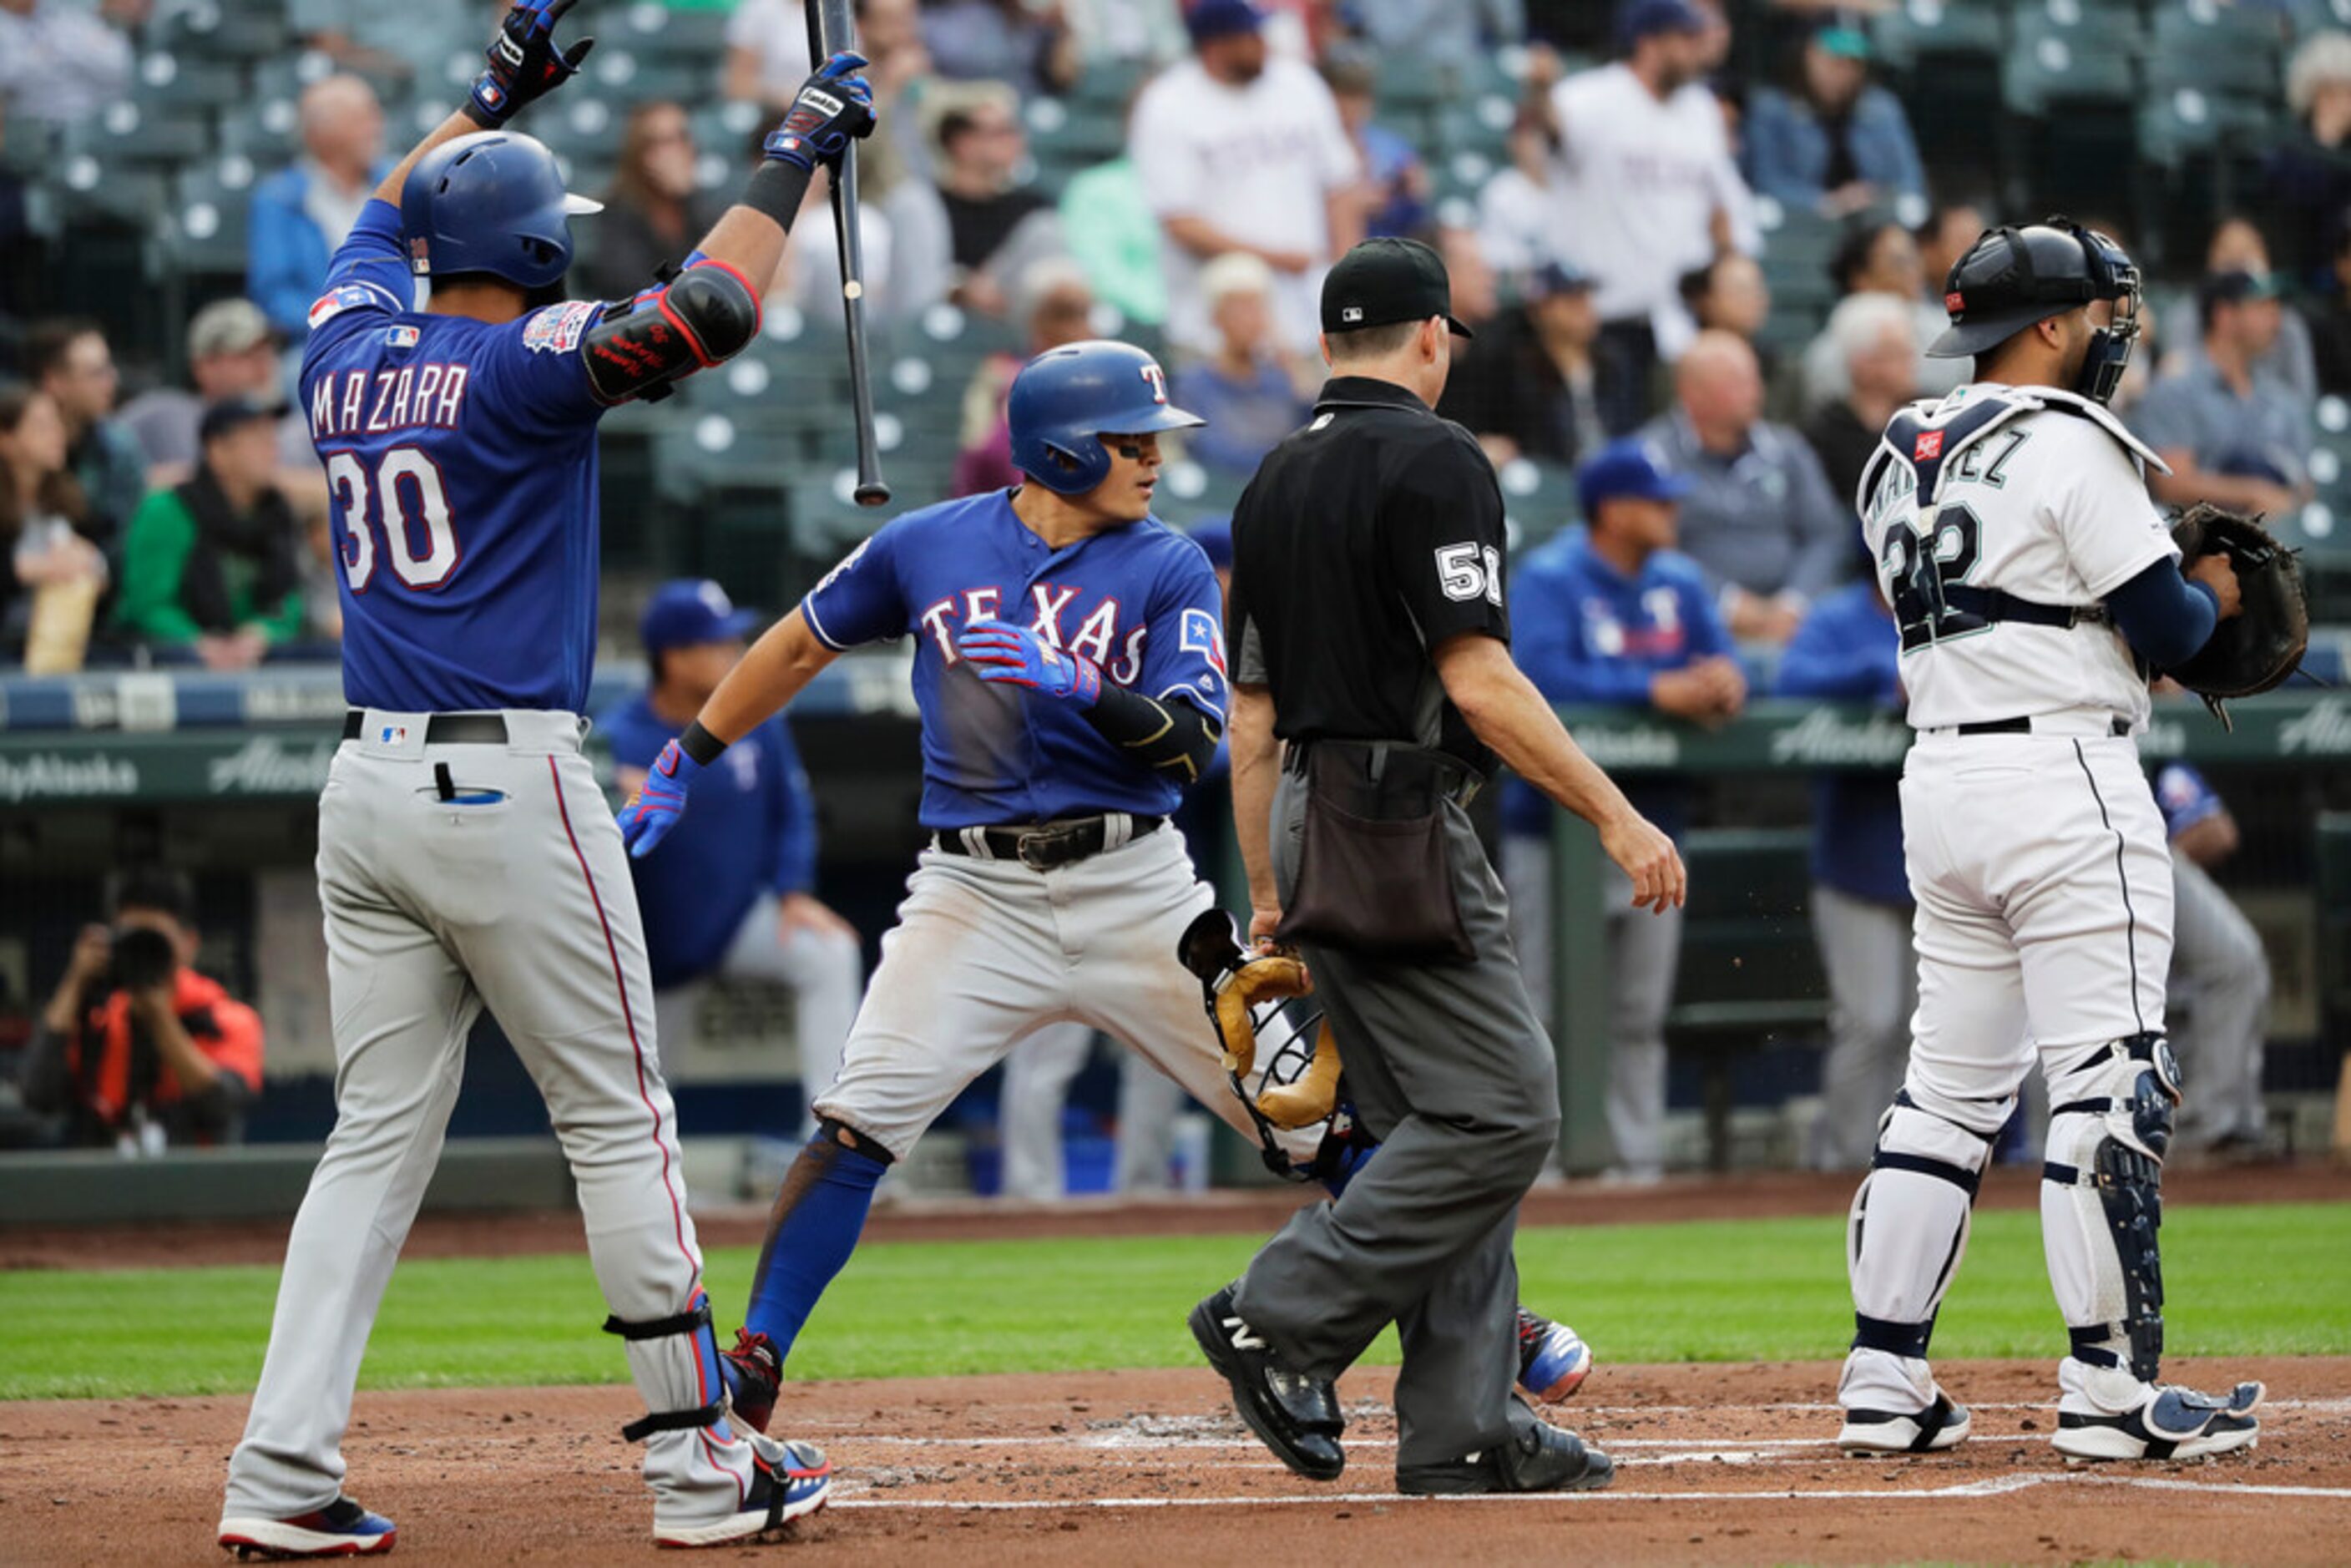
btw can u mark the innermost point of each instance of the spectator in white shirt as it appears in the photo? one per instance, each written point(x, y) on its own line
point(1652, 190)
point(58, 62)
point(1239, 151)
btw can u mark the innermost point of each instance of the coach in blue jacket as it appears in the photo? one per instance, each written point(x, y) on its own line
point(727, 892)
point(1848, 650)
point(1613, 613)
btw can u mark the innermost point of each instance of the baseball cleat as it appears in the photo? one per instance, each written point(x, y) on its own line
point(1542, 1458)
point(788, 1481)
point(1295, 1416)
point(2173, 1423)
point(754, 1373)
point(1553, 1360)
point(1940, 1426)
point(342, 1529)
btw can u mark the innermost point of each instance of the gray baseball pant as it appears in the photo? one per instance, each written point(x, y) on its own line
point(1453, 1073)
point(2218, 968)
point(1873, 979)
point(1642, 952)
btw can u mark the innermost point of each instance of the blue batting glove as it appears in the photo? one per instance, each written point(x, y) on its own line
point(835, 106)
point(525, 63)
point(654, 810)
point(1018, 655)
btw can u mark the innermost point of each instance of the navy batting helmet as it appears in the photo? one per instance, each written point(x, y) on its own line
point(492, 202)
point(1065, 399)
point(2010, 278)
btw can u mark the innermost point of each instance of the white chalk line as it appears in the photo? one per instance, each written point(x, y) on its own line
point(1995, 1485)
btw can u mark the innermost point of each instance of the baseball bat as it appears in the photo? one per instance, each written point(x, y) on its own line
point(829, 33)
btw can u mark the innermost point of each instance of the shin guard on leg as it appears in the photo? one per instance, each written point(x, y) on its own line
point(1905, 1237)
point(2101, 1201)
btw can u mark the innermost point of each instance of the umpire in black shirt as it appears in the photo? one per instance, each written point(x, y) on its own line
point(1373, 690)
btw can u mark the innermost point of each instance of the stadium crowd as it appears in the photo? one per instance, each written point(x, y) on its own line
point(1660, 166)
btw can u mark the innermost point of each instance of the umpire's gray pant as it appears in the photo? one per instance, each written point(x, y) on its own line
point(1872, 976)
point(2223, 976)
point(1643, 950)
point(1450, 1070)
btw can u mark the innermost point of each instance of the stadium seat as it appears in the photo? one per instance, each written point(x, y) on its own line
point(207, 227)
point(2049, 63)
point(173, 79)
point(660, 31)
point(234, 30)
point(2224, 50)
point(268, 131)
point(1907, 33)
point(128, 134)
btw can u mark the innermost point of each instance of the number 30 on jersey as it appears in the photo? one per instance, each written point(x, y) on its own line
point(404, 501)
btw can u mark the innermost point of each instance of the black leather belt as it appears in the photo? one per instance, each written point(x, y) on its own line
point(444, 728)
point(1044, 846)
point(2024, 726)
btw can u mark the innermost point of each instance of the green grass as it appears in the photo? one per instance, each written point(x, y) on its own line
point(2251, 1280)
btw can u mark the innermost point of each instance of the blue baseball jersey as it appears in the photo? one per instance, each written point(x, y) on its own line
point(1585, 632)
point(2185, 797)
point(462, 460)
point(752, 832)
point(1848, 650)
point(1141, 601)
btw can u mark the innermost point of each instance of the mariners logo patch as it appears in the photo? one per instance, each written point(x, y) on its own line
point(1202, 635)
point(559, 328)
point(1929, 445)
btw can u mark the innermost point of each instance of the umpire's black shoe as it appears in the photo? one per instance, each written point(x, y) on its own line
point(1542, 1458)
point(1297, 1417)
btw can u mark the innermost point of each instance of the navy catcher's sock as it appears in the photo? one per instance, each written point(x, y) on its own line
point(819, 1214)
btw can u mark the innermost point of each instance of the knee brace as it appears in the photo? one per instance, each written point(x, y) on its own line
point(2110, 1122)
point(675, 1361)
point(1908, 1228)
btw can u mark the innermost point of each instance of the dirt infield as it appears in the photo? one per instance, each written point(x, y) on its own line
point(1718, 1465)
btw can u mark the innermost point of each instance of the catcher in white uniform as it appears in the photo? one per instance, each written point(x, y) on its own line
point(2034, 585)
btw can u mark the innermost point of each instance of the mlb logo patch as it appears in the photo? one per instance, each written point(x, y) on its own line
point(1929, 445)
point(1955, 302)
point(1352, 314)
point(401, 337)
point(392, 734)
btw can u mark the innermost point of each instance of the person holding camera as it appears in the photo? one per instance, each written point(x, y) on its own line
point(136, 1048)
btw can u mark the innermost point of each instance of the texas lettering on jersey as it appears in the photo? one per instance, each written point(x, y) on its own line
point(1095, 636)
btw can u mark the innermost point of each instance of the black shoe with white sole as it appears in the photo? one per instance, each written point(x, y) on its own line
point(2174, 1424)
point(1296, 1415)
point(1940, 1426)
point(1543, 1458)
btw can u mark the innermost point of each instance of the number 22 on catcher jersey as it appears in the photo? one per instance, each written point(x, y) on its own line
point(2035, 494)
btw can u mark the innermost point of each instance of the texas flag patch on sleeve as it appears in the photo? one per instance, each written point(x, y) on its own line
point(347, 297)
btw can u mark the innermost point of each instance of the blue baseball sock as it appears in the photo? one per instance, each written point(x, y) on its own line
point(819, 1214)
point(1346, 1148)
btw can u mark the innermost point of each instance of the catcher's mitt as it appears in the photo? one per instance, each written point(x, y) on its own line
point(2264, 642)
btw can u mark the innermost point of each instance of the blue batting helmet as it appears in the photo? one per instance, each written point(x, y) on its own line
point(1066, 399)
point(492, 202)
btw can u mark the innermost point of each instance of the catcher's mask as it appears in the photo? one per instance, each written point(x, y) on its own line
point(2011, 277)
point(1278, 1052)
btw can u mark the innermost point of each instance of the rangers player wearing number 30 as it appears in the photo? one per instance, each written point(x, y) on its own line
point(2033, 584)
point(464, 858)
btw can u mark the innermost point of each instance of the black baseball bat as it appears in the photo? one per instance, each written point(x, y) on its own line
point(829, 32)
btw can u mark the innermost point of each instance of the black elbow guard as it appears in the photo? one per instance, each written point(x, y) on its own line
point(707, 314)
point(1174, 735)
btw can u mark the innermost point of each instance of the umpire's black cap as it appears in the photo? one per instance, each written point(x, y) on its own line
point(2011, 277)
point(1386, 280)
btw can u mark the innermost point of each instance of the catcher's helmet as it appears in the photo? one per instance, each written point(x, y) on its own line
point(492, 202)
point(2011, 277)
point(1066, 399)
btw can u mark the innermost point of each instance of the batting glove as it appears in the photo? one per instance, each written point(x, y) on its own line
point(835, 105)
point(1017, 655)
point(525, 64)
point(655, 808)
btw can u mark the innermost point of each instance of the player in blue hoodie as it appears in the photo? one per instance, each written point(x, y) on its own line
point(1612, 612)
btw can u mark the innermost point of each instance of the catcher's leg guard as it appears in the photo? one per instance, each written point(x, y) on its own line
point(675, 1361)
point(1904, 1241)
point(2110, 1116)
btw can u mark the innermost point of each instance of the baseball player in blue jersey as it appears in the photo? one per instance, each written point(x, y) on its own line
point(1613, 613)
point(462, 858)
point(1069, 670)
point(1848, 650)
point(731, 893)
point(2218, 967)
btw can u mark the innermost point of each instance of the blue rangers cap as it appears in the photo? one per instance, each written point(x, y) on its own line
point(692, 611)
point(1629, 467)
